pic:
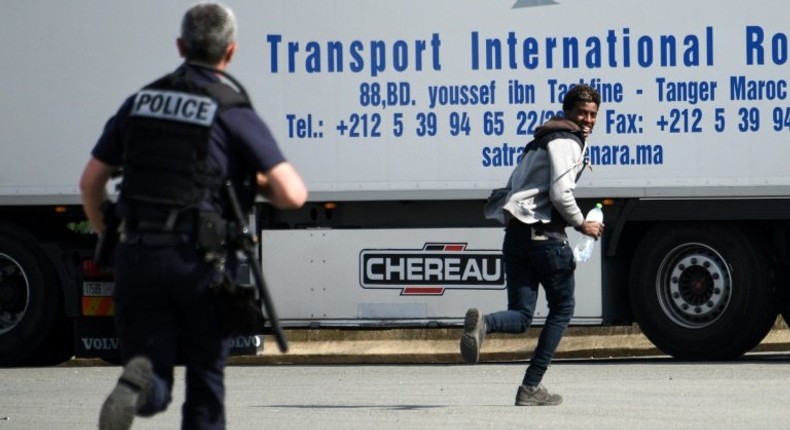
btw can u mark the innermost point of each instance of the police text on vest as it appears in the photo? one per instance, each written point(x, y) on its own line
point(175, 106)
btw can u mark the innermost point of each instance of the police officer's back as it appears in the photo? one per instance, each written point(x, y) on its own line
point(176, 142)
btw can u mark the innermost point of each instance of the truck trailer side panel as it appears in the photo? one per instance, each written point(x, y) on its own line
point(402, 116)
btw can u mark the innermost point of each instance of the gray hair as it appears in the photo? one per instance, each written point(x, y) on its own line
point(206, 31)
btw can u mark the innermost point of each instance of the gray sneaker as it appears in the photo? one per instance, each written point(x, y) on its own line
point(536, 396)
point(472, 339)
point(120, 407)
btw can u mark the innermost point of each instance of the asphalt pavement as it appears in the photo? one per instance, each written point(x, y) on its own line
point(647, 393)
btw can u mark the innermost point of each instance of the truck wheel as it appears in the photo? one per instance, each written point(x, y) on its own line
point(29, 301)
point(702, 291)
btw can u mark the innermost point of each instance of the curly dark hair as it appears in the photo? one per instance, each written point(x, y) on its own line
point(580, 93)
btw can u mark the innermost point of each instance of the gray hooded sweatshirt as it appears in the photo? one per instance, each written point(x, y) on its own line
point(540, 189)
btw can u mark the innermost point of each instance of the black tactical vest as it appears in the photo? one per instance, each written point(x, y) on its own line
point(166, 143)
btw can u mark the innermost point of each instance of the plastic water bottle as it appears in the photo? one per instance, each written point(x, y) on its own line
point(584, 247)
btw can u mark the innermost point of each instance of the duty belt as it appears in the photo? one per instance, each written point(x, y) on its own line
point(157, 233)
point(183, 225)
point(155, 238)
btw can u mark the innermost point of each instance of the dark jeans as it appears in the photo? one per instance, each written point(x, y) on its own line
point(163, 307)
point(529, 262)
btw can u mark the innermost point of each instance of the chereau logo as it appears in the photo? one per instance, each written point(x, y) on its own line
point(431, 270)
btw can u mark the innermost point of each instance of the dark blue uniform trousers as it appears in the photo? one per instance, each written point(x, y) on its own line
point(163, 307)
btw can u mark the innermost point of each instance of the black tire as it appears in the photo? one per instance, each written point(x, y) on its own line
point(30, 303)
point(702, 291)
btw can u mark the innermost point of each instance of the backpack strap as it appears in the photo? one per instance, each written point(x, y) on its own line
point(542, 142)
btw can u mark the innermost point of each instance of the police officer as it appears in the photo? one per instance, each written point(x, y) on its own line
point(176, 142)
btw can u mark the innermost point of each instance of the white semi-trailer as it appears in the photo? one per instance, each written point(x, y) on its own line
point(402, 116)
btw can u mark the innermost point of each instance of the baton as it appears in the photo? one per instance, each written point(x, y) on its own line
point(247, 248)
